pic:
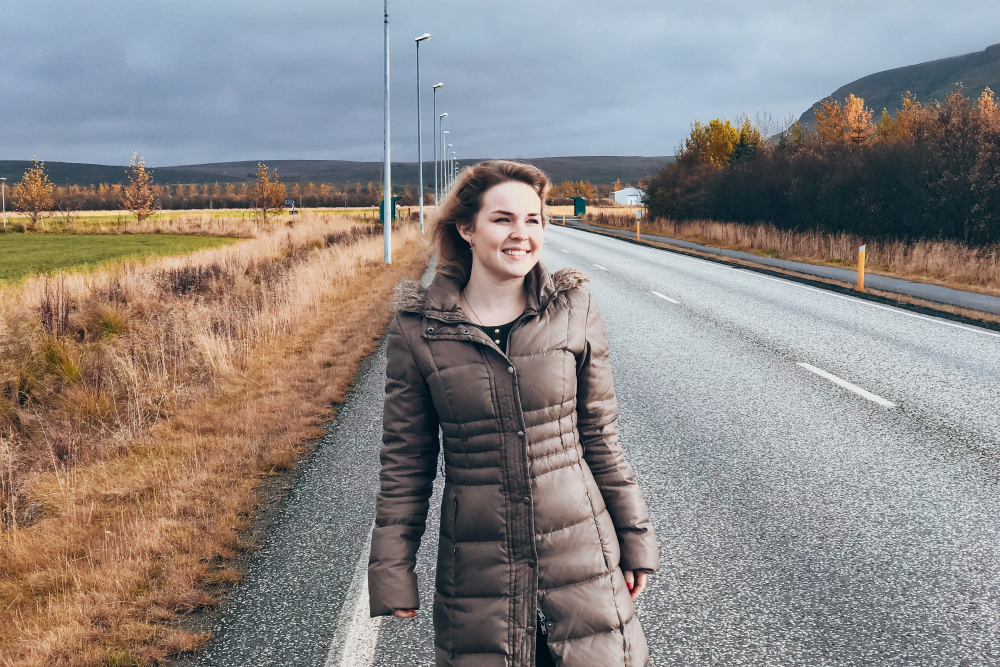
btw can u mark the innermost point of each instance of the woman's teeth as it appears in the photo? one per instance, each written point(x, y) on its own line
point(515, 253)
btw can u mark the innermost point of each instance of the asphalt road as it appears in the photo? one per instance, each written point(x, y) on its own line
point(953, 297)
point(822, 473)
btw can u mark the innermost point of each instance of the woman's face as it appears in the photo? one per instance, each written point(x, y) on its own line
point(508, 234)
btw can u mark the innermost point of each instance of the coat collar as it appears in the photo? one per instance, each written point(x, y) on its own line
point(440, 300)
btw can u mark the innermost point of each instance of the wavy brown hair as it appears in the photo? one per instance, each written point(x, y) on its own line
point(464, 202)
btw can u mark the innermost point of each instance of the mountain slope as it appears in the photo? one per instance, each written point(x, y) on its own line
point(929, 81)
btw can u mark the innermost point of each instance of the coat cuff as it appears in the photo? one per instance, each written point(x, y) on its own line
point(638, 551)
point(392, 583)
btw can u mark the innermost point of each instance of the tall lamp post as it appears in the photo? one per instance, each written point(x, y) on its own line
point(440, 140)
point(387, 176)
point(436, 199)
point(448, 162)
point(444, 162)
point(3, 190)
point(420, 138)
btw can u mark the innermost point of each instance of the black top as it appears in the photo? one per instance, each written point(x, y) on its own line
point(498, 334)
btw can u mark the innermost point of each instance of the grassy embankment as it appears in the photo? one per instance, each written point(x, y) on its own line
point(140, 406)
point(944, 263)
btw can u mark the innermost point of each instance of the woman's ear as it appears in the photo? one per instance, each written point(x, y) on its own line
point(465, 231)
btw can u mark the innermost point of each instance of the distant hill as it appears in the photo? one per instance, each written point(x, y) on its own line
point(596, 169)
point(929, 81)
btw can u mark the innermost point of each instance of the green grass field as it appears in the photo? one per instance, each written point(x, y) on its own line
point(23, 255)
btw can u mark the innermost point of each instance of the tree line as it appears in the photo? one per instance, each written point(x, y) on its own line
point(928, 171)
point(37, 197)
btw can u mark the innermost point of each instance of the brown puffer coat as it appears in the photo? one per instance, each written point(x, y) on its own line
point(540, 510)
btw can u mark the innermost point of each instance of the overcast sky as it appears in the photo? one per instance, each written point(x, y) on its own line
point(186, 81)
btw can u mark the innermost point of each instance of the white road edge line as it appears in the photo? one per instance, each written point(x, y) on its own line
point(663, 296)
point(357, 633)
point(874, 305)
point(847, 385)
point(864, 302)
point(603, 268)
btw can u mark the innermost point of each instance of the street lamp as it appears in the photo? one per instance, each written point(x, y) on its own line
point(3, 195)
point(448, 163)
point(436, 200)
point(444, 158)
point(387, 176)
point(440, 140)
point(420, 139)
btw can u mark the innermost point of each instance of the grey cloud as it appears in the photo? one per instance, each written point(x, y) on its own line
point(184, 82)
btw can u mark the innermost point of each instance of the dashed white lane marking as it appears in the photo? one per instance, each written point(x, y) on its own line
point(357, 633)
point(847, 385)
point(603, 268)
point(664, 296)
point(565, 251)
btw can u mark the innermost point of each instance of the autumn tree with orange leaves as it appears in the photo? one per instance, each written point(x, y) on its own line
point(931, 170)
point(138, 197)
point(267, 194)
point(33, 195)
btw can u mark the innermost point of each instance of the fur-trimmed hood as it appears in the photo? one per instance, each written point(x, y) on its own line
point(411, 297)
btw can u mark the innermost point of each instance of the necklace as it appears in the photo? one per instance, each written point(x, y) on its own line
point(473, 310)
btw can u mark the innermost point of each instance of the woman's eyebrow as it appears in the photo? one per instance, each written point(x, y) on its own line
point(499, 212)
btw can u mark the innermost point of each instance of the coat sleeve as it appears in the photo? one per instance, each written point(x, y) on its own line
point(409, 458)
point(597, 422)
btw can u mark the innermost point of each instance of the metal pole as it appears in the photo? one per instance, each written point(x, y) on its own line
point(387, 175)
point(3, 190)
point(448, 163)
point(444, 163)
point(434, 143)
point(441, 166)
point(437, 199)
point(420, 139)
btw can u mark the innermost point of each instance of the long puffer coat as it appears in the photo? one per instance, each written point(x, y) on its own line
point(541, 511)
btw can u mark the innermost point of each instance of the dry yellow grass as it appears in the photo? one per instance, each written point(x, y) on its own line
point(940, 262)
point(141, 408)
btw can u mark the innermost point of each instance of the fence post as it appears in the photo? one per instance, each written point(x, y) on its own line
point(861, 269)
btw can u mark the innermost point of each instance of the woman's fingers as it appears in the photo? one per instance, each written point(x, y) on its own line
point(405, 613)
point(636, 582)
point(640, 584)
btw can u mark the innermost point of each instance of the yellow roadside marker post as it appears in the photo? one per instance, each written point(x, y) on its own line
point(564, 219)
point(861, 269)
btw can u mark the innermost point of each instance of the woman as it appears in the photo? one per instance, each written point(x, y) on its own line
point(545, 538)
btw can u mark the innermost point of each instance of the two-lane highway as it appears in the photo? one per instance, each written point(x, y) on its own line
point(822, 472)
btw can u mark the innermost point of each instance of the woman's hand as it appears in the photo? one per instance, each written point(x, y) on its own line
point(410, 613)
point(636, 582)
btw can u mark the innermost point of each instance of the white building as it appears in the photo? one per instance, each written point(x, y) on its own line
point(628, 196)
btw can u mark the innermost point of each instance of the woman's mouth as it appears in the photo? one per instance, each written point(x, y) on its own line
point(515, 252)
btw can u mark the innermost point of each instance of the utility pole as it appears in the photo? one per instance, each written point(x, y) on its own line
point(420, 138)
point(387, 189)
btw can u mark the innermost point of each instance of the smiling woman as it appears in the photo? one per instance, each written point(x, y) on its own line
point(545, 537)
point(23, 255)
